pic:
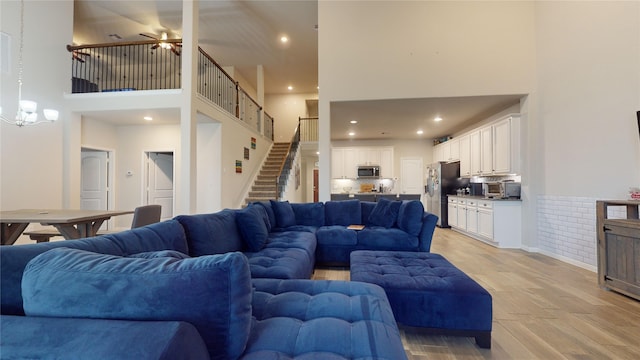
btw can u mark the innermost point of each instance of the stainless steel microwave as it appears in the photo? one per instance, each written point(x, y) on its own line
point(368, 171)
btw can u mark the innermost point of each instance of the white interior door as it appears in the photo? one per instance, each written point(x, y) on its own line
point(94, 181)
point(160, 182)
point(412, 176)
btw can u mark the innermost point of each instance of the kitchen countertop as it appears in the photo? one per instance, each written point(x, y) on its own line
point(480, 197)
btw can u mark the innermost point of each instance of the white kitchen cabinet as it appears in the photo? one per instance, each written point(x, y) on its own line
point(368, 156)
point(465, 156)
point(454, 150)
point(452, 207)
point(448, 151)
point(495, 222)
point(502, 146)
point(486, 150)
point(472, 216)
point(343, 163)
point(485, 219)
point(461, 220)
point(437, 153)
point(475, 148)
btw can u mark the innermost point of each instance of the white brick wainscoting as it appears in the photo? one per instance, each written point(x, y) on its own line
point(567, 228)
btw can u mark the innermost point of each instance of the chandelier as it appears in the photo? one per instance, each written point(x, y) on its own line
point(27, 110)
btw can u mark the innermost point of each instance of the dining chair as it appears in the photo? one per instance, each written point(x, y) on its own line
point(145, 215)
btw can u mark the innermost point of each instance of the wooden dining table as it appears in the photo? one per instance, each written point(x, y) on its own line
point(72, 224)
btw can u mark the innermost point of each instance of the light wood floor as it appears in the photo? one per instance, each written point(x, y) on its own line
point(542, 308)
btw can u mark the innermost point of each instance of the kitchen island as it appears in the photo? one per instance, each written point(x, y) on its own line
point(374, 196)
point(497, 222)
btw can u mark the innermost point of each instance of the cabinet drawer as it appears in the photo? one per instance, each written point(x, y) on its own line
point(472, 203)
point(462, 201)
point(487, 204)
point(452, 200)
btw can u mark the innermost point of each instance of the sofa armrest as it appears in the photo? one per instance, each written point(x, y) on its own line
point(429, 222)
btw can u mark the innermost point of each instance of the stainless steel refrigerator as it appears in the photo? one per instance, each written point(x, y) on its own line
point(442, 179)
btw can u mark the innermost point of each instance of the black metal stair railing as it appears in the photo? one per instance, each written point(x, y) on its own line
point(287, 164)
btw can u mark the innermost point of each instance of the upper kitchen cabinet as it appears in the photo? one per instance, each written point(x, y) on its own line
point(506, 145)
point(343, 163)
point(448, 151)
point(465, 155)
point(493, 149)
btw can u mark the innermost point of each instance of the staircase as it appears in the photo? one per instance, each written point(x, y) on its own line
point(264, 188)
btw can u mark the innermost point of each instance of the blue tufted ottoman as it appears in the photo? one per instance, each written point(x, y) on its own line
point(425, 290)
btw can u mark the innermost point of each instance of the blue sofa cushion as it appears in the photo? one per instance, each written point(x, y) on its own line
point(209, 234)
point(381, 238)
point(33, 337)
point(281, 263)
point(410, 216)
point(165, 235)
point(270, 214)
point(309, 214)
point(284, 213)
point(385, 213)
point(319, 319)
point(336, 235)
point(251, 222)
point(345, 212)
point(211, 292)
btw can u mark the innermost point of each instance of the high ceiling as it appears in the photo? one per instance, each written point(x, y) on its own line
point(245, 34)
point(242, 34)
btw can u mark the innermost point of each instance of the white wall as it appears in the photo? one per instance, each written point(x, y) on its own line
point(589, 90)
point(285, 109)
point(31, 172)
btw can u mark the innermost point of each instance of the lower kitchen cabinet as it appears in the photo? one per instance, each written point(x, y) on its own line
point(496, 222)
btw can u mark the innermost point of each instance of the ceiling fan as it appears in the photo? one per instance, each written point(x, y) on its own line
point(162, 44)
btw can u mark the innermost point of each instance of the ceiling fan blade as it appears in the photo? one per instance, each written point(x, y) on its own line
point(155, 46)
point(149, 36)
point(173, 50)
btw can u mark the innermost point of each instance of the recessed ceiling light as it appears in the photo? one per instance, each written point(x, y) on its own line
point(148, 118)
point(354, 121)
point(317, 152)
point(438, 118)
point(419, 132)
point(351, 133)
point(284, 39)
point(290, 87)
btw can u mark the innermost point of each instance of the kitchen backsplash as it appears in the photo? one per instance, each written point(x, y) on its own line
point(353, 186)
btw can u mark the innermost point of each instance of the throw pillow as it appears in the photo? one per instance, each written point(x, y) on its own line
point(410, 217)
point(384, 213)
point(212, 292)
point(253, 229)
point(285, 216)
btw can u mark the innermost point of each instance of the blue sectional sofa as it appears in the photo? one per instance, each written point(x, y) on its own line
point(138, 295)
point(209, 286)
point(286, 240)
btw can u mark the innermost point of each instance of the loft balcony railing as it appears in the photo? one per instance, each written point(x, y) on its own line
point(154, 65)
point(308, 129)
point(268, 126)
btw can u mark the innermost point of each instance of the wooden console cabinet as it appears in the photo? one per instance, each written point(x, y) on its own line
point(619, 248)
